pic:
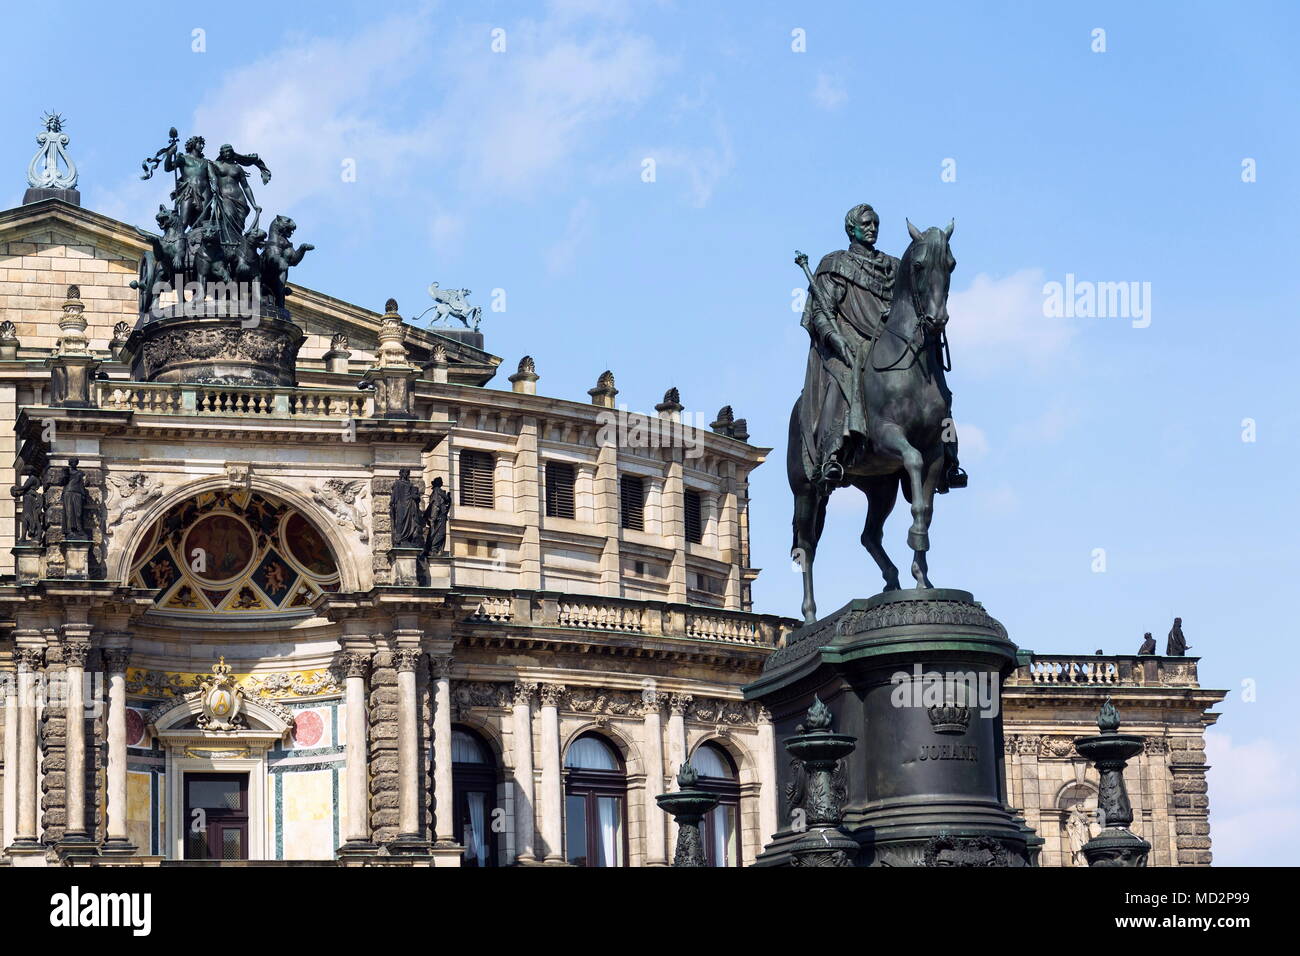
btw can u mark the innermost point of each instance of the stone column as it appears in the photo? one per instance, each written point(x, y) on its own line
point(444, 805)
point(115, 663)
point(552, 774)
point(28, 660)
point(656, 831)
point(10, 810)
point(525, 851)
point(767, 796)
point(74, 657)
point(405, 660)
point(356, 830)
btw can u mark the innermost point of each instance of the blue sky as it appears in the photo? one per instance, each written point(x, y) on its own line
point(522, 170)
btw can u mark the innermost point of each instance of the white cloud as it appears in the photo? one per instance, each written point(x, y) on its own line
point(563, 254)
point(699, 168)
point(997, 324)
point(420, 108)
point(1254, 792)
point(829, 93)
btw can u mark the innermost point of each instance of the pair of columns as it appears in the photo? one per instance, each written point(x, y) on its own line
point(528, 813)
point(22, 724)
point(548, 807)
point(358, 830)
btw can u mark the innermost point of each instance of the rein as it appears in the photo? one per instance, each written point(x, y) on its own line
point(916, 342)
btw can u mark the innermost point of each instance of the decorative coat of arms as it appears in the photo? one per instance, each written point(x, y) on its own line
point(222, 699)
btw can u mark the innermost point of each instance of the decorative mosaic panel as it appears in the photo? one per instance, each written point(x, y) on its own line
point(237, 553)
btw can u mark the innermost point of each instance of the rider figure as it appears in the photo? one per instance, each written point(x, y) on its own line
point(847, 305)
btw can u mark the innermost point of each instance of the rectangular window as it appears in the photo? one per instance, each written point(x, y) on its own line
point(476, 481)
point(694, 525)
point(632, 502)
point(560, 479)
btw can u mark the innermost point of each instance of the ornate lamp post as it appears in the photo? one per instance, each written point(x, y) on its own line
point(816, 796)
point(688, 806)
point(1109, 752)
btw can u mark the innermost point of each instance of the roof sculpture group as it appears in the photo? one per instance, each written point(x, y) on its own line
point(205, 237)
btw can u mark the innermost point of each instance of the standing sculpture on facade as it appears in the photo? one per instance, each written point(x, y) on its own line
point(436, 515)
point(206, 237)
point(1177, 645)
point(876, 410)
point(76, 504)
point(405, 513)
point(31, 502)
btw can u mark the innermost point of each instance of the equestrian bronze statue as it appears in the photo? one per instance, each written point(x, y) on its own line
point(875, 411)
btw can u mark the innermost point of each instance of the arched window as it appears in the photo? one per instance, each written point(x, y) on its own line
point(595, 804)
point(474, 792)
point(721, 827)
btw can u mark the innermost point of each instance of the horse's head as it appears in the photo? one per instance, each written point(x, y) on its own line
point(926, 272)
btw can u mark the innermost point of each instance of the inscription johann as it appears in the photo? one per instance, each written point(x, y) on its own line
point(949, 752)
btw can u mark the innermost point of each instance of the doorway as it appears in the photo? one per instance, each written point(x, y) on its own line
point(216, 816)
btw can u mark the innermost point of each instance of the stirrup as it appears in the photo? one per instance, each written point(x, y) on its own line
point(955, 477)
point(832, 472)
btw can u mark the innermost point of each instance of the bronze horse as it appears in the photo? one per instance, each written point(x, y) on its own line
point(908, 412)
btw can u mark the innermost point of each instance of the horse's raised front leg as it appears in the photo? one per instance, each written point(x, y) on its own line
point(892, 441)
point(933, 472)
point(881, 494)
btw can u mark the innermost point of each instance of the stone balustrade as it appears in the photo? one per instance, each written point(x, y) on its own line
point(623, 616)
point(239, 401)
point(1105, 670)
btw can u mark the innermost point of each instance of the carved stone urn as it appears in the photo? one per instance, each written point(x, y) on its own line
point(1110, 751)
point(688, 806)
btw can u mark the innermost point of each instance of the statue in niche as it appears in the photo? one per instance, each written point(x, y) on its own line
point(436, 513)
point(31, 501)
point(76, 504)
point(405, 513)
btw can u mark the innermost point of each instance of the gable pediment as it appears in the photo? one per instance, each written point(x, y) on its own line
point(48, 245)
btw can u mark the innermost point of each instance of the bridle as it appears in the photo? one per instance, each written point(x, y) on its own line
point(926, 328)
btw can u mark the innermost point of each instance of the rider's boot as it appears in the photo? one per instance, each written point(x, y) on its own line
point(954, 476)
point(832, 473)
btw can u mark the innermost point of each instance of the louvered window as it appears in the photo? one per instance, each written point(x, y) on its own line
point(694, 526)
point(560, 478)
point(476, 486)
point(632, 499)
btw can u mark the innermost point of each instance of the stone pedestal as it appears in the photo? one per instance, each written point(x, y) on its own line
point(916, 677)
point(405, 564)
point(76, 560)
point(439, 568)
point(183, 343)
point(27, 562)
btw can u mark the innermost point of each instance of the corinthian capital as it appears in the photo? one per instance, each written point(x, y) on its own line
point(406, 658)
point(523, 691)
point(552, 694)
point(116, 659)
point(680, 703)
point(29, 658)
point(74, 653)
point(355, 665)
